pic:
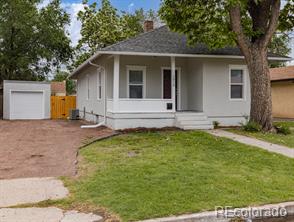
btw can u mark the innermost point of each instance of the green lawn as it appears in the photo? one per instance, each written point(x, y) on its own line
point(147, 175)
point(286, 140)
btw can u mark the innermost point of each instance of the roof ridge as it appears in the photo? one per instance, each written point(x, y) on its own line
point(134, 37)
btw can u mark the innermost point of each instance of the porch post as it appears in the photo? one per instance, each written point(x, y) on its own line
point(116, 83)
point(173, 75)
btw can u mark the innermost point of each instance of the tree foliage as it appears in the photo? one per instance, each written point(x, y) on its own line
point(249, 24)
point(202, 21)
point(33, 41)
point(105, 26)
point(280, 45)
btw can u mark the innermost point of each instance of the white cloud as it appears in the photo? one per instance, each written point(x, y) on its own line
point(131, 7)
point(44, 3)
point(75, 26)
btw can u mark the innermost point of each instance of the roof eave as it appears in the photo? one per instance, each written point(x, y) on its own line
point(84, 64)
point(274, 58)
point(99, 53)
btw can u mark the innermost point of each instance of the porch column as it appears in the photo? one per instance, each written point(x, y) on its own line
point(173, 75)
point(116, 84)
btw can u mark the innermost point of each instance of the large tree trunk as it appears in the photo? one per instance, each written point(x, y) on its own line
point(261, 102)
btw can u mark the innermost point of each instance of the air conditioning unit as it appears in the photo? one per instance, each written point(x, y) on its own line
point(74, 114)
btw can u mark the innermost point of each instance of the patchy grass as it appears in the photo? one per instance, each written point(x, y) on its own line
point(147, 175)
point(286, 140)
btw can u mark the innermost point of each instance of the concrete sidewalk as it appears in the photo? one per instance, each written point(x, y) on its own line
point(51, 214)
point(33, 190)
point(286, 151)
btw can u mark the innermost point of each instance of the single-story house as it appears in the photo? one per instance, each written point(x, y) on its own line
point(58, 88)
point(282, 80)
point(157, 80)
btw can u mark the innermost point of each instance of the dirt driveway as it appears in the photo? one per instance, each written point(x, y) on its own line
point(42, 148)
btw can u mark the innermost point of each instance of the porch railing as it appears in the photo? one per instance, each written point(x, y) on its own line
point(140, 105)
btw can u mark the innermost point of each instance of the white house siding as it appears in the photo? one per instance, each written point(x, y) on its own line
point(137, 120)
point(195, 85)
point(93, 107)
point(153, 75)
point(217, 104)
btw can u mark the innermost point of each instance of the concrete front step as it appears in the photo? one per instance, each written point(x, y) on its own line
point(178, 114)
point(193, 122)
point(191, 118)
point(198, 127)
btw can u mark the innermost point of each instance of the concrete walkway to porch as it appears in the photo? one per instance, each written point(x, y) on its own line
point(283, 150)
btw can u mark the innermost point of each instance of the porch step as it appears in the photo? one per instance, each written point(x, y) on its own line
point(190, 114)
point(203, 127)
point(191, 118)
point(192, 121)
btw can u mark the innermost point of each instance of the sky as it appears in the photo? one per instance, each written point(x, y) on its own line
point(74, 6)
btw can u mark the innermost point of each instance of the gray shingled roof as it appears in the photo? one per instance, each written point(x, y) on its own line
point(162, 40)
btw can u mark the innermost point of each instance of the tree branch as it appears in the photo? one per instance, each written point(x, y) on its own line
point(273, 22)
point(235, 20)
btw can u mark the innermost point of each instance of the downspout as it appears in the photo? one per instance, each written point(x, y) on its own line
point(105, 100)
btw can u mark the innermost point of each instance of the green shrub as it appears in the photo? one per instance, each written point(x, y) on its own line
point(251, 126)
point(282, 129)
point(216, 124)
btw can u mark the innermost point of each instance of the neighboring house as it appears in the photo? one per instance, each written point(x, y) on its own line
point(157, 80)
point(1, 101)
point(58, 88)
point(283, 91)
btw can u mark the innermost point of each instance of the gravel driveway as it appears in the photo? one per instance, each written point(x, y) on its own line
point(42, 148)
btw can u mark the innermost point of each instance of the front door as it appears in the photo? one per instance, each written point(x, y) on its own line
point(167, 86)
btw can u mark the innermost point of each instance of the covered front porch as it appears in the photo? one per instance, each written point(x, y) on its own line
point(149, 84)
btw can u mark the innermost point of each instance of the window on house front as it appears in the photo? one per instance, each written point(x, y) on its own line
point(88, 87)
point(99, 85)
point(237, 84)
point(136, 82)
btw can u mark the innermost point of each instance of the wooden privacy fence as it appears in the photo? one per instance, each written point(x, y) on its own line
point(61, 106)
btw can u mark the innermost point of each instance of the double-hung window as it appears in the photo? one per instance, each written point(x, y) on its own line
point(136, 82)
point(237, 83)
point(99, 85)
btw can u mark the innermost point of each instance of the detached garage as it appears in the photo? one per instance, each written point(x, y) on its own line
point(26, 100)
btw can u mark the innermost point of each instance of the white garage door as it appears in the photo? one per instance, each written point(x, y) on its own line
point(26, 105)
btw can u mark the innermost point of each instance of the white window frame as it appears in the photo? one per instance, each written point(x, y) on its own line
point(99, 84)
point(88, 86)
point(136, 68)
point(244, 84)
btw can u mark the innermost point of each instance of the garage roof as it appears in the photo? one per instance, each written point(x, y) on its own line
point(282, 73)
